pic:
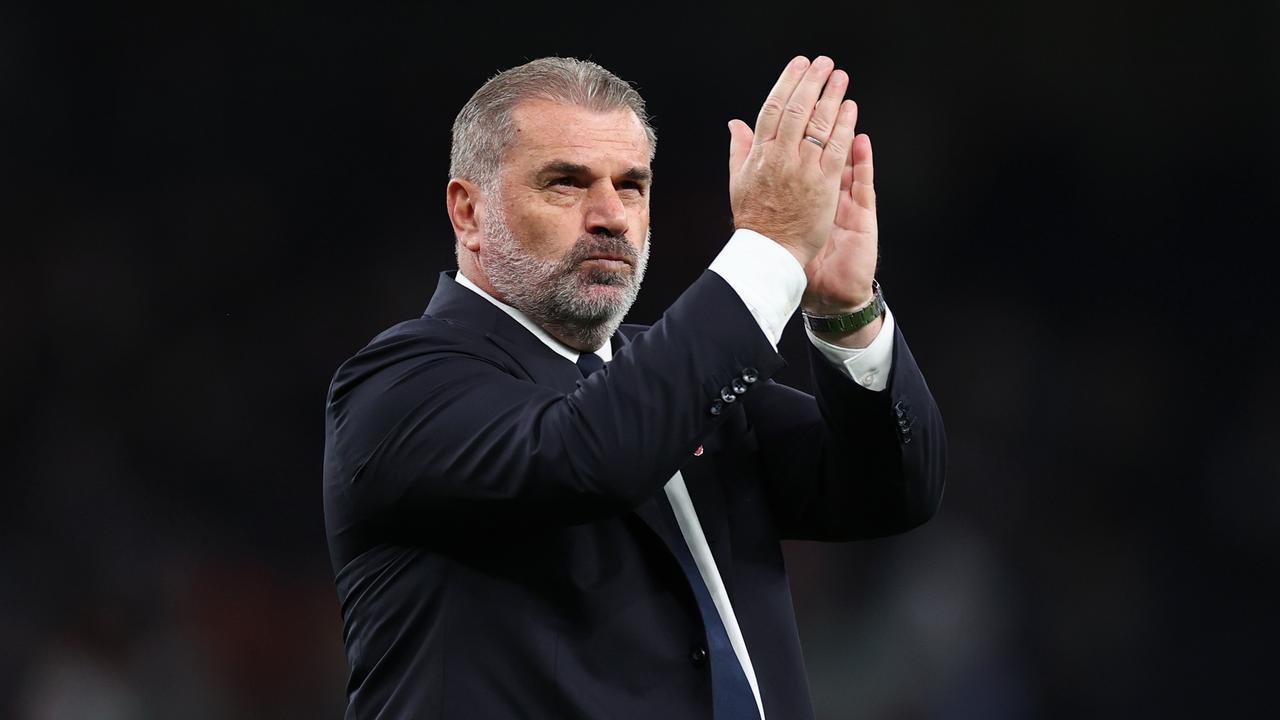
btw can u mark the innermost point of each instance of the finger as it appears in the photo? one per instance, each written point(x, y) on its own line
point(863, 190)
point(799, 108)
point(863, 168)
point(739, 145)
point(828, 108)
point(837, 149)
point(771, 111)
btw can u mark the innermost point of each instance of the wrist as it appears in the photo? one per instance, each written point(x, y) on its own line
point(826, 305)
point(839, 319)
point(842, 303)
point(800, 254)
point(783, 238)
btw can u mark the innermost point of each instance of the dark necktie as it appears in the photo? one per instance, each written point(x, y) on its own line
point(730, 690)
point(589, 363)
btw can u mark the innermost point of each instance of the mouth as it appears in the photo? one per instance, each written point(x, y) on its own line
point(612, 263)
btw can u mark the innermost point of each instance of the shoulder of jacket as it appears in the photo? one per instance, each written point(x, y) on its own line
point(413, 341)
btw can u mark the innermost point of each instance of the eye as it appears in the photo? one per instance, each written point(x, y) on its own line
point(631, 186)
point(563, 181)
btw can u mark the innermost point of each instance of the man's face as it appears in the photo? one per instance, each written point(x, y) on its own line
point(566, 235)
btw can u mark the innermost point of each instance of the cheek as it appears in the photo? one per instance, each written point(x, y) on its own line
point(640, 227)
point(638, 214)
point(547, 234)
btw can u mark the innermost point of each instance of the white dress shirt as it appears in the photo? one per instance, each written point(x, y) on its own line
point(770, 281)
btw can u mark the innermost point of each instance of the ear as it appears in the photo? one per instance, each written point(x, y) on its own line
point(462, 198)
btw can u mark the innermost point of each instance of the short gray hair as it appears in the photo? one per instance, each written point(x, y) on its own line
point(483, 130)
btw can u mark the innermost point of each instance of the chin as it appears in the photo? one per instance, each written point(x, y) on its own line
point(610, 284)
point(602, 301)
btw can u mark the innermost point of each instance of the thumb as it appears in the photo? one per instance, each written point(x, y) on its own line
point(740, 137)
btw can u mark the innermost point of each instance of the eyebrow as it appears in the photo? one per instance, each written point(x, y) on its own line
point(564, 167)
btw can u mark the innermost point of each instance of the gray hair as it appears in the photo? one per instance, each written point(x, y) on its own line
point(483, 130)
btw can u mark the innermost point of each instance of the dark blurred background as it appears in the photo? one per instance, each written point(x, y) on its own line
point(207, 209)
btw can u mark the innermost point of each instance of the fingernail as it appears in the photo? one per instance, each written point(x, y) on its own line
point(799, 62)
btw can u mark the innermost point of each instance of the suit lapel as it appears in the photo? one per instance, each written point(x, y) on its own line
point(544, 368)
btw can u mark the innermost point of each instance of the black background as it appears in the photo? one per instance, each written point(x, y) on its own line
point(206, 209)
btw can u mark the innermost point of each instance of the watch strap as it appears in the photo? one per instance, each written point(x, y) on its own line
point(848, 322)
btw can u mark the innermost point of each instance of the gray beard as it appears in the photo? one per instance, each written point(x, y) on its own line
point(555, 294)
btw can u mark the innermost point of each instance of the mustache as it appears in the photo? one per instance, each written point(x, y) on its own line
point(613, 245)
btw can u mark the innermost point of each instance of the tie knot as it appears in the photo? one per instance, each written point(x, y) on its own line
point(589, 363)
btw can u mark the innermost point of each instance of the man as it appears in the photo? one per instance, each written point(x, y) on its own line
point(535, 514)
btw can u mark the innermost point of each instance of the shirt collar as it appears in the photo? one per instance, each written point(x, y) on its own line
point(605, 352)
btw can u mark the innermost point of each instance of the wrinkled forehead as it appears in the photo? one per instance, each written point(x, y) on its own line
point(545, 130)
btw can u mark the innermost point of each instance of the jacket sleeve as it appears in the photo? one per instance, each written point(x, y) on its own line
point(856, 463)
point(429, 429)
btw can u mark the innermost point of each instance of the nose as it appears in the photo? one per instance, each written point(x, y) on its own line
point(604, 212)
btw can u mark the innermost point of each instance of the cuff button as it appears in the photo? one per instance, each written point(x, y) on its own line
point(750, 375)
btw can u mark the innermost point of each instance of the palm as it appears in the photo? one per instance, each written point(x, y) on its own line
point(840, 275)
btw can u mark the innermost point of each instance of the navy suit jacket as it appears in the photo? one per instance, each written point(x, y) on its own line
point(492, 519)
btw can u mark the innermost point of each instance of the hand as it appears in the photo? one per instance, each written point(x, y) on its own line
point(840, 276)
point(781, 185)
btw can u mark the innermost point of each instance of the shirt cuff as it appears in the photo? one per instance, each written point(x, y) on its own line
point(769, 279)
point(869, 366)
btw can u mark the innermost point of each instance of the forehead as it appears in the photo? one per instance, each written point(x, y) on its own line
point(547, 130)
